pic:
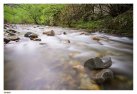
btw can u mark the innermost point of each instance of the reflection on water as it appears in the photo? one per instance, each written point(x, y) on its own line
point(48, 64)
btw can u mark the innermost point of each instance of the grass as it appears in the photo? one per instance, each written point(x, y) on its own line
point(88, 25)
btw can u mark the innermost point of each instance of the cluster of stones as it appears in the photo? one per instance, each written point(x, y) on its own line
point(100, 71)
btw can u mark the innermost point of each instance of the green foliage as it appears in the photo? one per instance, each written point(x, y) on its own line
point(89, 25)
point(31, 13)
point(121, 25)
point(115, 18)
point(15, 15)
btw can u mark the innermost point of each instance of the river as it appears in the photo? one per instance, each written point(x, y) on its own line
point(48, 64)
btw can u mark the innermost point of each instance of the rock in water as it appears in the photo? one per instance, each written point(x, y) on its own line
point(31, 35)
point(6, 40)
point(27, 34)
point(66, 41)
point(98, 69)
point(37, 39)
point(97, 63)
point(87, 84)
point(96, 38)
point(49, 33)
point(13, 31)
point(79, 68)
point(108, 63)
point(14, 38)
point(83, 33)
point(43, 43)
point(94, 63)
point(101, 76)
point(6, 26)
point(64, 33)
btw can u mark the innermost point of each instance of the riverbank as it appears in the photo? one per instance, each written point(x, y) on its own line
point(122, 25)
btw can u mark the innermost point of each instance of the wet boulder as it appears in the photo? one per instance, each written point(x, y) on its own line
point(99, 70)
point(27, 34)
point(11, 32)
point(14, 38)
point(6, 26)
point(49, 33)
point(85, 82)
point(31, 35)
point(6, 40)
point(100, 76)
point(10, 35)
point(6, 34)
point(96, 38)
point(97, 63)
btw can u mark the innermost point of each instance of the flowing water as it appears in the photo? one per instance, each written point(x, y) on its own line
point(48, 64)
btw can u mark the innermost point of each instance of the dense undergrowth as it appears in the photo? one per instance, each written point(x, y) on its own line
point(111, 18)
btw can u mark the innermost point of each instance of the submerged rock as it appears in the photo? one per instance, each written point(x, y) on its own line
point(87, 84)
point(49, 33)
point(79, 68)
point(43, 43)
point(66, 41)
point(120, 82)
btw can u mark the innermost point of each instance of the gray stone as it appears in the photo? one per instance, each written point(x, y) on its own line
point(49, 33)
point(97, 63)
point(31, 35)
point(6, 40)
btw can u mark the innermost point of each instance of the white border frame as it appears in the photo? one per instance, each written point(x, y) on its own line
point(2, 2)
